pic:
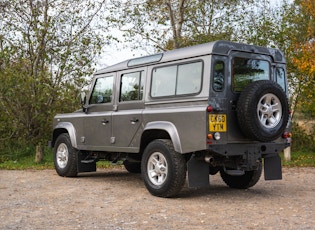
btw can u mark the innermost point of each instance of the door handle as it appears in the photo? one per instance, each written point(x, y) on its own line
point(104, 122)
point(134, 120)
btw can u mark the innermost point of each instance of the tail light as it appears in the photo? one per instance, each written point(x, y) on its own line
point(287, 135)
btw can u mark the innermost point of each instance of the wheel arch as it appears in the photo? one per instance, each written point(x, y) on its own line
point(65, 127)
point(161, 130)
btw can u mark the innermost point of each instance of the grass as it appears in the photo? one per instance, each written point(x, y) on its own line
point(28, 162)
point(302, 158)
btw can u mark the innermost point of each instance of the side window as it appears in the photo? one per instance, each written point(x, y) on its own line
point(247, 70)
point(218, 76)
point(189, 78)
point(163, 81)
point(177, 80)
point(103, 90)
point(280, 77)
point(131, 87)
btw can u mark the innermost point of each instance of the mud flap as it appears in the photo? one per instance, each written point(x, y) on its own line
point(198, 173)
point(272, 167)
point(86, 165)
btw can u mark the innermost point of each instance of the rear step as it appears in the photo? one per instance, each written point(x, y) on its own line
point(234, 172)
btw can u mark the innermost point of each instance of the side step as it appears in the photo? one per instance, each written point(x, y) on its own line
point(88, 161)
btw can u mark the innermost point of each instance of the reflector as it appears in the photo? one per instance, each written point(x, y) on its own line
point(209, 109)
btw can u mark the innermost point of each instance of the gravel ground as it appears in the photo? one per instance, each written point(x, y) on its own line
point(116, 199)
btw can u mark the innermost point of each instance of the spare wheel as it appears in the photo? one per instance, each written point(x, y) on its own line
point(263, 111)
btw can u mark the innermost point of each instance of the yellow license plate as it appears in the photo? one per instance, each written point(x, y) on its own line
point(217, 122)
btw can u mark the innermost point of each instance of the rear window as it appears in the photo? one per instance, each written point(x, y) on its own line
point(247, 70)
point(280, 77)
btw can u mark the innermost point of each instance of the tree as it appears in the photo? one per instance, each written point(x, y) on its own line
point(304, 60)
point(289, 27)
point(171, 24)
point(47, 49)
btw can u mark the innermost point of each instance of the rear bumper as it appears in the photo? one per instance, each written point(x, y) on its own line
point(238, 149)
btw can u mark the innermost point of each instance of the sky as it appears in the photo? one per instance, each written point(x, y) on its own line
point(119, 52)
point(115, 55)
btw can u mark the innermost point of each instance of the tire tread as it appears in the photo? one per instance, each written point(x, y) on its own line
point(249, 179)
point(247, 109)
point(177, 170)
point(71, 170)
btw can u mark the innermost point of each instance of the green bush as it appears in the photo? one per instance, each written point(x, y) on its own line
point(15, 150)
point(301, 139)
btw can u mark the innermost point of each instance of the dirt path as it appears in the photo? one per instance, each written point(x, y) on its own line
point(116, 199)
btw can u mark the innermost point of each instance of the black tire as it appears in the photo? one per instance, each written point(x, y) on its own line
point(249, 179)
point(214, 170)
point(132, 167)
point(65, 157)
point(163, 169)
point(263, 111)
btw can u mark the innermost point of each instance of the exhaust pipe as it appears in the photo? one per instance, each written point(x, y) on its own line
point(209, 159)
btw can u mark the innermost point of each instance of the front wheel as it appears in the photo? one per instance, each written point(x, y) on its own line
point(163, 169)
point(65, 157)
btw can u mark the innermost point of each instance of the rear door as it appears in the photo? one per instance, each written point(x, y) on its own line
point(129, 102)
point(244, 69)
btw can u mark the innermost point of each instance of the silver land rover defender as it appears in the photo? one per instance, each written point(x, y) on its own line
point(216, 107)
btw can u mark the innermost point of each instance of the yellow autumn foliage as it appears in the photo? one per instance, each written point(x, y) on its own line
point(305, 61)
